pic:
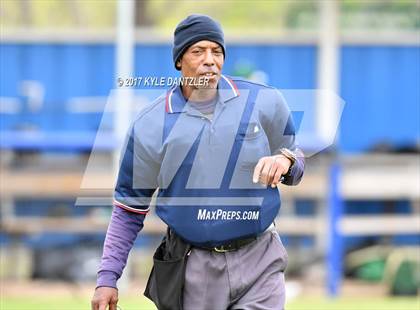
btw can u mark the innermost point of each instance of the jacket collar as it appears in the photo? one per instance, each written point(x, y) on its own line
point(175, 101)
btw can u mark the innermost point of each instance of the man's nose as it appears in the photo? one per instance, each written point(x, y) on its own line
point(209, 59)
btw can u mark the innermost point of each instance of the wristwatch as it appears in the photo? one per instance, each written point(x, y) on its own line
point(289, 155)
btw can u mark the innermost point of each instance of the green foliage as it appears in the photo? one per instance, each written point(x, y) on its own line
point(58, 13)
point(238, 15)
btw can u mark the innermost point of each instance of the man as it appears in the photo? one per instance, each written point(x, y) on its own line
point(216, 152)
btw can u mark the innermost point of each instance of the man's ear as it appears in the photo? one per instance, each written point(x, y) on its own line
point(178, 64)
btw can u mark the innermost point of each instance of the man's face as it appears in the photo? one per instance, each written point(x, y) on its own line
point(203, 59)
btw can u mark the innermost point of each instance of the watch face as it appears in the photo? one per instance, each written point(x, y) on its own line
point(289, 154)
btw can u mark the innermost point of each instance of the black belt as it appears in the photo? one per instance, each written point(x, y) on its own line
point(229, 247)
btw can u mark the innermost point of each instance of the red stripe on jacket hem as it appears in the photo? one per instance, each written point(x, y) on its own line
point(118, 204)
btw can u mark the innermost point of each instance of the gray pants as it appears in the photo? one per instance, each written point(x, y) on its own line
point(250, 278)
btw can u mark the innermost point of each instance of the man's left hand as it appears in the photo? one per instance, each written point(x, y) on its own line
point(269, 170)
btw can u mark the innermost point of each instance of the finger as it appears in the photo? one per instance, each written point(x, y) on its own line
point(277, 176)
point(113, 303)
point(272, 177)
point(265, 171)
point(272, 172)
point(94, 305)
point(102, 306)
point(277, 172)
point(113, 306)
point(257, 170)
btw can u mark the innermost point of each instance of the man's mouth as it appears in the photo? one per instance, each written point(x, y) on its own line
point(209, 74)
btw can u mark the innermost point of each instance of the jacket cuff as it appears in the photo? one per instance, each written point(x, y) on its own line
point(107, 278)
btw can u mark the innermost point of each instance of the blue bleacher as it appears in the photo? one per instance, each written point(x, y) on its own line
point(382, 89)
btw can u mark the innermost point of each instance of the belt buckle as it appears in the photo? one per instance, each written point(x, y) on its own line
point(220, 249)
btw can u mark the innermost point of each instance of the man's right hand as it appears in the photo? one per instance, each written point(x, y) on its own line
point(103, 297)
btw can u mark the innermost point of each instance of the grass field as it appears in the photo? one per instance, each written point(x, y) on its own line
point(45, 303)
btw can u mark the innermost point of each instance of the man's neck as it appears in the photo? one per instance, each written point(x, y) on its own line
point(197, 95)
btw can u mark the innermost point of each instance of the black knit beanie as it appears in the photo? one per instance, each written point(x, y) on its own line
point(193, 29)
